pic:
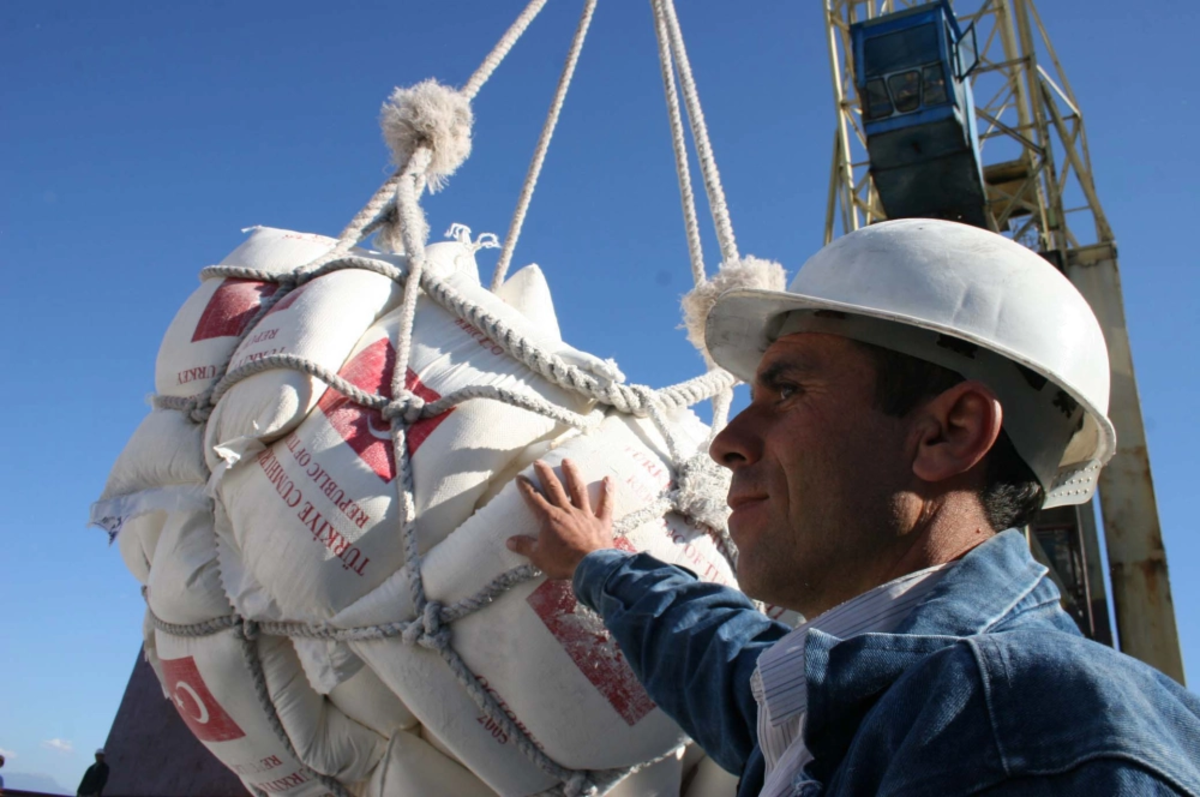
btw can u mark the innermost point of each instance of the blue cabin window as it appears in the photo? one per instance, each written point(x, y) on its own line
point(906, 90)
point(934, 85)
point(904, 71)
point(878, 104)
point(904, 48)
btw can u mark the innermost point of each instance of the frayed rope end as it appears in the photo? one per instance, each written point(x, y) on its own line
point(431, 115)
point(746, 273)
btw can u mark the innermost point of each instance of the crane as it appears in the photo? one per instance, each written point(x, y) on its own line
point(966, 113)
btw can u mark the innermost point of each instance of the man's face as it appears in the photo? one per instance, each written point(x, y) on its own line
point(816, 472)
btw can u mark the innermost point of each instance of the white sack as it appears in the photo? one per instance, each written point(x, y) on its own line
point(165, 449)
point(709, 780)
point(160, 470)
point(324, 738)
point(313, 516)
point(466, 734)
point(185, 588)
point(207, 326)
point(661, 779)
point(137, 540)
point(304, 528)
point(548, 660)
point(319, 321)
point(185, 582)
point(367, 700)
point(527, 292)
point(212, 688)
point(413, 767)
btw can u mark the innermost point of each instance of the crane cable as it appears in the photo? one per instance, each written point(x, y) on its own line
point(539, 153)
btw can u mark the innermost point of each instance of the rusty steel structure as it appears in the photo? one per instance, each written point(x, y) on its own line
point(1040, 191)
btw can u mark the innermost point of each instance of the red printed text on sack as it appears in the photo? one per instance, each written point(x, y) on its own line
point(691, 557)
point(298, 778)
point(497, 730)
point(257, 767)
point(479, 337)
point(324, 532)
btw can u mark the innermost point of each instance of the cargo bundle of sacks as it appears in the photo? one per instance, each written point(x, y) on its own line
point(308, 640)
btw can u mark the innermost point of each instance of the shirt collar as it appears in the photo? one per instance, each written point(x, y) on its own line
point(779, 681)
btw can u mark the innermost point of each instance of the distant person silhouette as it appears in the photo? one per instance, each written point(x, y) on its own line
point(94, 779)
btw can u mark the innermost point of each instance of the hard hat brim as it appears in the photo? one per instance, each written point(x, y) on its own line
point(744, 322)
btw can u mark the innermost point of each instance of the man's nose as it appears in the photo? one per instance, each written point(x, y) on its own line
point(739, 443)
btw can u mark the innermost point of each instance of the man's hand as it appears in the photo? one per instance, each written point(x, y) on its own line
point(570, 530)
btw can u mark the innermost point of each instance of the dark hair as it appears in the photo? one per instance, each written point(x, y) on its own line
point(1011, 494)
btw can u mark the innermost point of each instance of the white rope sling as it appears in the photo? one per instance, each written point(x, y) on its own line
point(429, 128)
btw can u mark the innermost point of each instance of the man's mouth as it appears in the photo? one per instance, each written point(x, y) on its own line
point(741, 500)
point(744, 506)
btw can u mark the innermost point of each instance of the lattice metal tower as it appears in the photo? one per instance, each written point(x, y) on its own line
point(1037, 177)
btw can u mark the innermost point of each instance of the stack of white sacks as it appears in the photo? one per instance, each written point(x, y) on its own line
point(282, 507)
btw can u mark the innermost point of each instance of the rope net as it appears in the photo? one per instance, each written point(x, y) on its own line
point(395, 213)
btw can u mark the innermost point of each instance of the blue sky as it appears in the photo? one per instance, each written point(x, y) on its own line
point(138, 138)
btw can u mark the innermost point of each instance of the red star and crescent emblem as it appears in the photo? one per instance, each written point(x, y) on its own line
point(205, 717)
point(289, 300)
point(366, 430)
point(591, 647)
point(231, 307)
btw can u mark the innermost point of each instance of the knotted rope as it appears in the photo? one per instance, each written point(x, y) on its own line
point(430, 134)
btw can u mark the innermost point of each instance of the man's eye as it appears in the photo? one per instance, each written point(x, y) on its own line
point(786, 391)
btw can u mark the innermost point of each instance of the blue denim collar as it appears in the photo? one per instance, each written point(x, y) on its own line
point(847, 677)
point(985, 587)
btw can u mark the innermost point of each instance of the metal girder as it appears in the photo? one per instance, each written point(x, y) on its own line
point(1137, 560)
point(1033, 144)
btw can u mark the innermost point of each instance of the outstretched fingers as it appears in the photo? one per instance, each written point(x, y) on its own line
point(568, 529)
point(604, 508)
point(535, 500)
point(551, 486)
point(524, 545)
point(576, 487)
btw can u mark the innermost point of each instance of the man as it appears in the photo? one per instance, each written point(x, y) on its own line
point(920, 388)
point(94, 779)
point(1, 777)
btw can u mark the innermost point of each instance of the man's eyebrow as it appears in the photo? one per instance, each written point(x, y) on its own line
point(771, 376)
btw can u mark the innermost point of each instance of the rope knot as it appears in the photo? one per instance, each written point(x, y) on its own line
point(747, 273)
point(642, 398)
point(578, 785)
point(427, 630)
point(248, 629)
point(433, 116)
point(199, 414)
point(409, 408)
point(700, 494)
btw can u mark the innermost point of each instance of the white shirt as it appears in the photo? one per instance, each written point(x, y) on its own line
point(779, 683)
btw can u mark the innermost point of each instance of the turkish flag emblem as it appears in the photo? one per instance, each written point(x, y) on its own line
point(289, 300)
point(199, 709)
point(366, 430)
point(585, 639)
point(231, 307)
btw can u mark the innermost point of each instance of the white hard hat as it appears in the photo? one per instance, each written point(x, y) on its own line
point(963, 298)
point(99, 751)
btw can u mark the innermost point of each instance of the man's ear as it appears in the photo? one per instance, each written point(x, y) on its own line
point(955, 430)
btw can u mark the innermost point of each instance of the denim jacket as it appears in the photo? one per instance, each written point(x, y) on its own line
point(987, 688)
